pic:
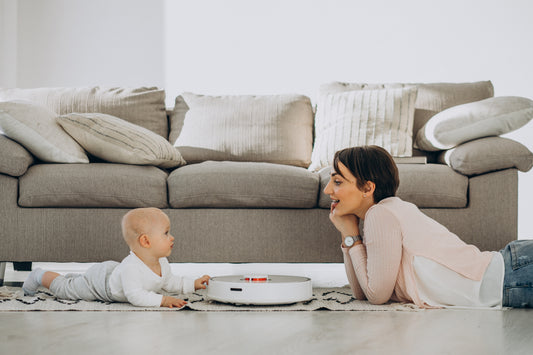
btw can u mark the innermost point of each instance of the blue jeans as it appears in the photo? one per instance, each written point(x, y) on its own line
point(518, 279)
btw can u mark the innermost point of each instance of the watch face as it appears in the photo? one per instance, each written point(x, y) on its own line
point(348, 241)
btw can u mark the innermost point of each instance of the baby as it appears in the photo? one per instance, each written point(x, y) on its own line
point(138, 279)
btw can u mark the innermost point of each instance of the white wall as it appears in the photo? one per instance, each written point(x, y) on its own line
point(96, 42)
point(274, 46)
point(8, 42)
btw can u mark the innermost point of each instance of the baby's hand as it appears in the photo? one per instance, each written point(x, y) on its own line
point(172, 302)
point(201, 282)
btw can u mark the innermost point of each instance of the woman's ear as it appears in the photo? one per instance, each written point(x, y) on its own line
point(369, 188)
point(144, 241)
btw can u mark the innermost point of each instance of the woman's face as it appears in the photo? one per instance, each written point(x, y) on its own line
point(345, 195)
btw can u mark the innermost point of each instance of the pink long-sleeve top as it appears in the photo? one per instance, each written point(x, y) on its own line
point(394, 232)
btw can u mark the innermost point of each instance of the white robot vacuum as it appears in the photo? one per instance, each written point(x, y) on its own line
point(259, 289)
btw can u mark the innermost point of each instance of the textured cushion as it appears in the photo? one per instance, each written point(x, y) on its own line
point(382, 117)
point(93, 185)
point(462, 123)
point(14, 158)
point(276, 129)
point(142, 106)
point(35, 128)
point(176, 118)
point(425, 185)
point(488, 154)
point(431, 98)
point(237, 184)
point(115, 140)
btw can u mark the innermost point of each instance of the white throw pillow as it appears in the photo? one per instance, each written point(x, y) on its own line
point(462, 123)
point(113, 139)
point(143, 106)
point(382, 117)
point(35, 128)
point(269, 128)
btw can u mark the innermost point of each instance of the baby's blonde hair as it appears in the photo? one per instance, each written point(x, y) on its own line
point(137, 222)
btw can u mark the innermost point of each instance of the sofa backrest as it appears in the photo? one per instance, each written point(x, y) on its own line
point(143, 106)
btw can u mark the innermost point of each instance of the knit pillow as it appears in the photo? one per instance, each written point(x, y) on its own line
point(118, 141)
point(381, 117)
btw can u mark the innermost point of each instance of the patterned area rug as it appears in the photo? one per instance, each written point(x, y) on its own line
point(333, 299)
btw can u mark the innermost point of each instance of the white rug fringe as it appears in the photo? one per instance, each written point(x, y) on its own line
point(333, 299)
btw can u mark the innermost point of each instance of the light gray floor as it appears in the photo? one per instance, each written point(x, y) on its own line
point(319, 332)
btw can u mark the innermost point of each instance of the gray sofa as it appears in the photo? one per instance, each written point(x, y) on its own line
point(238, 211)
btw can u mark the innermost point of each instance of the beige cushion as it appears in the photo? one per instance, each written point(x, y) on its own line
point(462, 123)
point(276, 129)
point(488, 154)
point(144, 106)
point(425, 185)
point(177, 117)
point(14, 158)
point(431, 98)
point(239, 184)
point(381, 117)
point(93, 185)
point(115, 140)
point(35, 128)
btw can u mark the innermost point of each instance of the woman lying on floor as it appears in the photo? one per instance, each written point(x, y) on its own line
point(400, 254)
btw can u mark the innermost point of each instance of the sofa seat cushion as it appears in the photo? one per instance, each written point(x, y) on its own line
point(425, 185)
point(93, 185)
point(242, 184)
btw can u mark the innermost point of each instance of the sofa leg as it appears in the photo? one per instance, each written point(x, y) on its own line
point(2, 272)
point(22, 265)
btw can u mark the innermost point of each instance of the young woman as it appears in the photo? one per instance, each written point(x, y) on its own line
point(392, 251)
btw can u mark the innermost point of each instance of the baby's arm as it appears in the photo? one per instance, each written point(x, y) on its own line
point(172, 302)
point(174, 283)
point(136, 289)
point(201, 282)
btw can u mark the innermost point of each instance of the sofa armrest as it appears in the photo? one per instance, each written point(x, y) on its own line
point(483, 155)
point(14, 158)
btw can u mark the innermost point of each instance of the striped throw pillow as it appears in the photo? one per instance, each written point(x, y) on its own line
point(115, 140)
point(382, 117)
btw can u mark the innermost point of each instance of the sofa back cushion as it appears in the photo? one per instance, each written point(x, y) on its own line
point(431, 98)
point(269, 128)
point(141, 106)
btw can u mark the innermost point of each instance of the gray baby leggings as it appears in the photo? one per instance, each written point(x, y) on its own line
point(90, 286)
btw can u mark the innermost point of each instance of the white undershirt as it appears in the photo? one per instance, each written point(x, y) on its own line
point(439, 286)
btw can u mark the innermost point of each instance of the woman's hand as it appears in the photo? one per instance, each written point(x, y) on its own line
point(347, 224)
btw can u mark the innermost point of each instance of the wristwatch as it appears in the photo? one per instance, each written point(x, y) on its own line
point(350, 240)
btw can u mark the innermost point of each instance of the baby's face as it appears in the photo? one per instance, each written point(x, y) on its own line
point(160, 238)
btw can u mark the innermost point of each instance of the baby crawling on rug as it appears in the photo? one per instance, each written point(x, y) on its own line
point(138, 279)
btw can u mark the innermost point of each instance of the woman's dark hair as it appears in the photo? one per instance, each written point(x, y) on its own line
point(370, 163)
